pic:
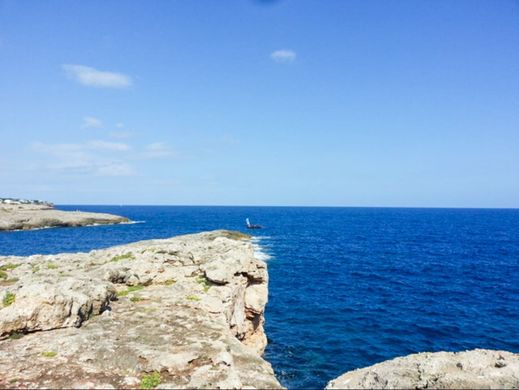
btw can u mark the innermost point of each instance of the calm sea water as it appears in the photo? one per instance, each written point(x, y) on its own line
point(349, 287)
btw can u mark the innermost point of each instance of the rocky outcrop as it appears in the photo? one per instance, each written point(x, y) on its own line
point(476, 369)
point(185, 312)
point(37, 216)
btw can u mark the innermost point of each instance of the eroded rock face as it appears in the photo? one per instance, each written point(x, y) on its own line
point(32, 216)
point(476, 369)
point(188, 310)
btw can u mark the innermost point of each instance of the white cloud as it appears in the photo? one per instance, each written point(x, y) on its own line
point(157, 150)
point(283, 56)
point(106, 145)
point(120, 134)
point(96, 78)
point(91, 122)
point(84, 159)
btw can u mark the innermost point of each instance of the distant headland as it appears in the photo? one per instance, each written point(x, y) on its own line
point(22, 214)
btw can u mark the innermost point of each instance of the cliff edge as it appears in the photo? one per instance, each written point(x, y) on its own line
point(476, 369)
point(185, 312)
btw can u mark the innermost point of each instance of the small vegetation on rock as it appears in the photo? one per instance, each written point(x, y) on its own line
point(129, 290)
point(15, 336)
point(125, 256)
point(170, 282)
point(9, 298)
point(49, 354)
point(136, 298)
point(150, 381)
point(3, 275)
point(35, 269)
point(192, 298)
point(202, 280)
point(7, 267)
point(52, 266)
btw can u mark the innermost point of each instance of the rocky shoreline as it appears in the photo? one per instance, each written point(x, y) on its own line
point(38, 216)
point(185, 312)
point(476, 369)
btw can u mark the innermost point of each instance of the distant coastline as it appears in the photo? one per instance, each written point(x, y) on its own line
point(22, 214)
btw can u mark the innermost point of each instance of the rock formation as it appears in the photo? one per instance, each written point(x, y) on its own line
point(174, 313)
point(35, 216)
point(476, 369)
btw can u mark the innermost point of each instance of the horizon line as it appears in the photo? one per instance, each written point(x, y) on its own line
point(289, 206)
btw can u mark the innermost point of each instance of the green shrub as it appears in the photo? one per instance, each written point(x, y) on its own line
point(136, 298)
point(150, 381)
point(125, 256)
point(49, 354)
point(170, 282)
point(193, 298)
point(3, 275)
point(202, 280)
point(9, 298)
point(52, 266)
point(7, 267)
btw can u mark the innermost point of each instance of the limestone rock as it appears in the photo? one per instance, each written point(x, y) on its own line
point(476, 369)
point(116, 317)
point(33, 216)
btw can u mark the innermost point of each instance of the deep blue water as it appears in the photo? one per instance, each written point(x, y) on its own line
point(349, 287)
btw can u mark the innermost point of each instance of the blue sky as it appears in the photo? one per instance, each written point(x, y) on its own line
point(295, 102)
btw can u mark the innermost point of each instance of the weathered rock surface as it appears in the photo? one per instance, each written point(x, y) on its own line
point(476, 369)
point(187, 310)
point(33, 216)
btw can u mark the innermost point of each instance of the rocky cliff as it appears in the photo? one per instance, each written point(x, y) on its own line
point(174, 313)
point(35, 216)
point(476, 369)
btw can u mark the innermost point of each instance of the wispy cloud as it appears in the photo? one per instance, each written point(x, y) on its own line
point(90, 158)
point(92, 77)
point(91, 122)
point(106, 145)
point(283, 56)
point(157, 150)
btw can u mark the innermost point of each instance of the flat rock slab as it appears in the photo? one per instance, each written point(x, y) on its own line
point(26, 217)
point(476, 369)
point(138, 315)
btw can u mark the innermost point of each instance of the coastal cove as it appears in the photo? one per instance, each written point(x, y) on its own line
point(349, 287)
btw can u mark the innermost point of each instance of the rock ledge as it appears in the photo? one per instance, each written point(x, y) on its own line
point(185, 312)
point(476, 369)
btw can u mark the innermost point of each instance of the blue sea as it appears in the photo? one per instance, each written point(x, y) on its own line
point(349, 287)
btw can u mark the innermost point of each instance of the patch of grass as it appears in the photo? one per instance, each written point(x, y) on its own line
point(150, 381)
point(129, 290)
point(125, 256)
point(204, 282)
point(35, 269)
point(7, 267)
point(3, 275)
point(8, 299)
point(15, 336)
point(52, 266)
point(49, 354)
point(170, 282)
point(193, 298)
point(11, 381)
point(136, 298)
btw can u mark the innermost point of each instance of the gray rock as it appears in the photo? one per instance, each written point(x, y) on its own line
point(34, 216)
point(116, 317)
point(476, 369)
